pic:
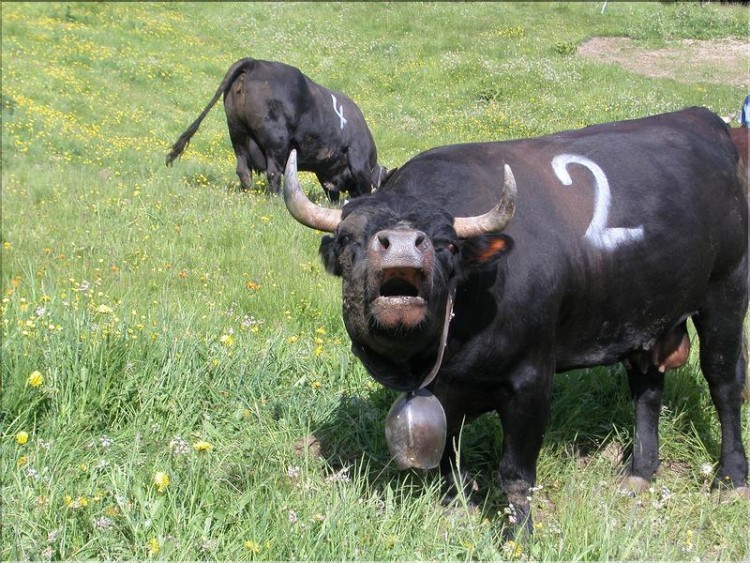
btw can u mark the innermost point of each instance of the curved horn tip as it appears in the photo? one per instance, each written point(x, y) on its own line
point(291, 162)
point(510, 181)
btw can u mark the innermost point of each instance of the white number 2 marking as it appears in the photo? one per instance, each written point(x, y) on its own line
point(598, 234)
point(339, 111)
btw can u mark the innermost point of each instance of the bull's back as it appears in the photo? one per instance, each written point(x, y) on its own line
point(648, 164)
point(268, 93)
point(617, 222)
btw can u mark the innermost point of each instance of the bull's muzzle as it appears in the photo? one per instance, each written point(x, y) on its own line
point(401, 260)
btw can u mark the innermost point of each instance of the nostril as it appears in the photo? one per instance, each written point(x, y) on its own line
point(419, 241)
point(384, 242)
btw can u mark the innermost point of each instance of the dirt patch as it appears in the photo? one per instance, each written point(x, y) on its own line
point(722, 61)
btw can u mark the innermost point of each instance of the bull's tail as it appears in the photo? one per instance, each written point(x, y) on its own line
point(234, 71)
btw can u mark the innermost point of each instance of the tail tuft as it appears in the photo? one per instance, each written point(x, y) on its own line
point(179, 147)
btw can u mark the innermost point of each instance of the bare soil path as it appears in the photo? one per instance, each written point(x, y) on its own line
point(723, 61)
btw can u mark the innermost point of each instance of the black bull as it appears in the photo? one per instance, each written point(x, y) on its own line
point(272, 108)
point(621, 232)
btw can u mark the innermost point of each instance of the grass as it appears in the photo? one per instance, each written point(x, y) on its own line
point(182, 328)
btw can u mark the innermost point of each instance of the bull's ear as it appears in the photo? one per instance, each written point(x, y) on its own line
point(485, 249)
point(329, 256)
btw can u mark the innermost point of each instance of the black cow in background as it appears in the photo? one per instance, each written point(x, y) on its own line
point(613, 236)
point(273, 108)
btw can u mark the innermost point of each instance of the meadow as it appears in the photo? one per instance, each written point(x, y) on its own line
point(176, 378)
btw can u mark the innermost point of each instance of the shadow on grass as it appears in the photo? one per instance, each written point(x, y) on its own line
point(590, 410)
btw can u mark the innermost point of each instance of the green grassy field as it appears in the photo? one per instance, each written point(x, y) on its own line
point(176, 378)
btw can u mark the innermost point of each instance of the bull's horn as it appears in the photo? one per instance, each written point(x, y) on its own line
point(301, 208)
point(494, 220)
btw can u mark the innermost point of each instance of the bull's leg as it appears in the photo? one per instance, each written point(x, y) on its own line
point(331, 191)
point(239, 144)
point(524, 411)
point(274, 173)
point(277, 150)
point(333, 195)
point(244, 173)
point(646, 389)
point(719, 325)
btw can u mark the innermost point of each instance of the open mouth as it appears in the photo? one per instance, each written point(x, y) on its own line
point(399, 303)
point(400, 282)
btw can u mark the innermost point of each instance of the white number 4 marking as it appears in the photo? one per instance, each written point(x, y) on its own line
point(339, 110)
point(598, 234)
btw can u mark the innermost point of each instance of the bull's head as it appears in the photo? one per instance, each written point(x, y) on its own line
point(399, 261)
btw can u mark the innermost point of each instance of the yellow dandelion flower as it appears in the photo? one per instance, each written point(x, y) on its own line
point(80, 502)
point(22, 437)
point(252, 285)
point(227, 340)
point(35, 379)
point(161, 480)
point(203, 446)
point(104, 310)
point(153, 546)
point(23, 460)
point(252, 546)
point(513, 549)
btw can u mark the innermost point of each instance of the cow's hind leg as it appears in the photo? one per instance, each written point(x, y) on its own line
point(274, 172)
point(240, 141)
point(277, 150)
point(646, 390)
point(719, 324)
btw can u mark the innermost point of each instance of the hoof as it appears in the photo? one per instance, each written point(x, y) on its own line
point(633, 486)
